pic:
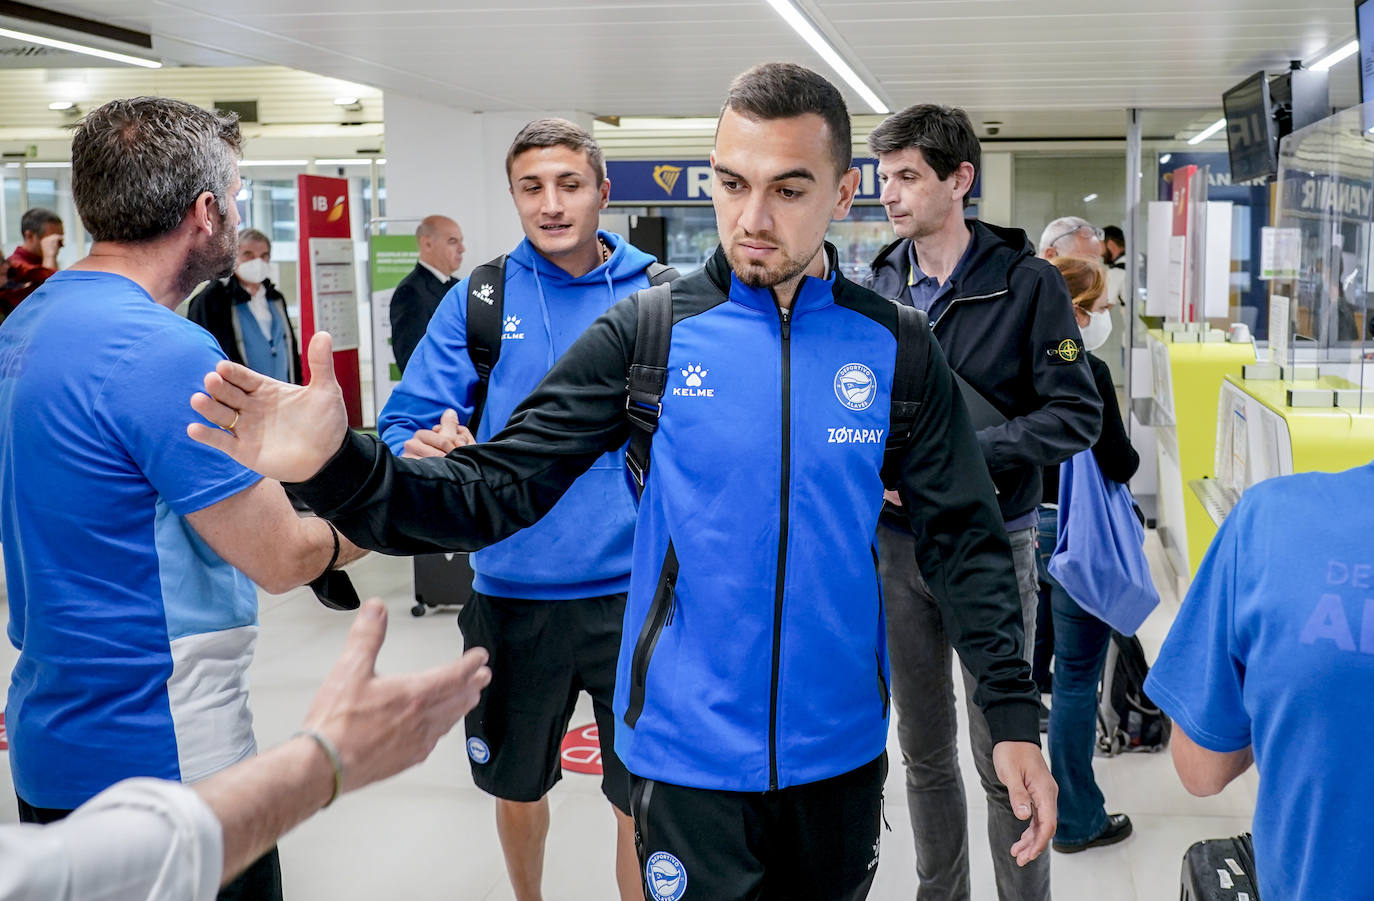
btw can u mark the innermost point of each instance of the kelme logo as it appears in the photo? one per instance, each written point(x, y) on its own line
point(855, 386)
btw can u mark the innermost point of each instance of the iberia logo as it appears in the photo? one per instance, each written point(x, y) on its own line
point(1068, 350)
point(666, 177)
point(337, 212)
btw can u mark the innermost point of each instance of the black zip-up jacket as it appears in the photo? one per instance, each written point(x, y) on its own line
point(754, 620)
point(1008, 329)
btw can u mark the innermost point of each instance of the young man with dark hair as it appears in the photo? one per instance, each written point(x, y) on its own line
point(548, 602)
point(1005, 323)
point(129, 550)
point(1113, 245)
point(751, 692)
point(34, 260)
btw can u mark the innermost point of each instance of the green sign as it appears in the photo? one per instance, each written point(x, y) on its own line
point(390, 259)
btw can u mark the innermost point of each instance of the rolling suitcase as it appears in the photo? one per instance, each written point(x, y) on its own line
point(441, 580)
point(1220, 869)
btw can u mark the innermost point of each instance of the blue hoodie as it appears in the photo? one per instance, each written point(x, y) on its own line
point(582, 547)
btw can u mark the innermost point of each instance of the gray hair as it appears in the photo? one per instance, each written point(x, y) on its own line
point(33, 220)
point(1061, 228)
point(139, 164)
point(252, 234)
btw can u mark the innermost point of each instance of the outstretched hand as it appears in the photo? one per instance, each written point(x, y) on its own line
point(385, 724)
point(285, 432)
point(1033, 793)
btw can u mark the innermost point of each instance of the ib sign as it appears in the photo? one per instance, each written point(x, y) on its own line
point(689, 181)
point(319, 203)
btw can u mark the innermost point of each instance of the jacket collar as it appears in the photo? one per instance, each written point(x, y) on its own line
point(993, 253)
point(812, 294)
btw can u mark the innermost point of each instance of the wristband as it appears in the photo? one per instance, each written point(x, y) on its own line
point(334, 557)
point(332, 753)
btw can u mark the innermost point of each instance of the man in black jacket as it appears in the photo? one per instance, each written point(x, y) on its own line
point(247, 314)
point(1006, 326)
point(417, 296)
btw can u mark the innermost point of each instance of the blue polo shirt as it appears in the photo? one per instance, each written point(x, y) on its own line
point(1273, 649)
point(134, 637)
point(926, 292)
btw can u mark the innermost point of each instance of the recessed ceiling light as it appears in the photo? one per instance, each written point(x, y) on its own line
point(1090, 198)
point(1165, 158)
point(1335, 56)
point(809, 33)
point(345, 101)
point(1207, 132)
point(61, 106)
point(80, 48)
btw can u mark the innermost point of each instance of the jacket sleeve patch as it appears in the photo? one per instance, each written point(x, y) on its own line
point(1064, 351)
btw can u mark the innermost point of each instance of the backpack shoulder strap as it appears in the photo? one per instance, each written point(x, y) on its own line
point(648, 377)
point(908, 383)
point(660, 274)
point(486, 301)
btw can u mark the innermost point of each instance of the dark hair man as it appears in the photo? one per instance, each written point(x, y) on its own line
point(1113, 245)
point(128, 548)
point(35, 259)
point(751, 693)
point(547, 602)
point(1005, 323)
point(247, 314)
point(415, 299)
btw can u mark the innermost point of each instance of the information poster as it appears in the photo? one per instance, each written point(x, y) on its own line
point(328, 288)
point(391, 258)
point(1279, 253)
point(336, 293)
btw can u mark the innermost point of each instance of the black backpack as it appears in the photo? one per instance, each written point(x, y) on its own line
point(1127, 720)
point(486, 306)
point(648, 379)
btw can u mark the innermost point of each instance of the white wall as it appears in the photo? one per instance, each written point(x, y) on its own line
point(452, 162)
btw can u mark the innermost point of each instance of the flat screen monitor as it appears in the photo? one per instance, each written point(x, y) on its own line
point(1251, 134)
point(1364, 32)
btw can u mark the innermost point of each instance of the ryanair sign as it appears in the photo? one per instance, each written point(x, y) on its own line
point(652, 182)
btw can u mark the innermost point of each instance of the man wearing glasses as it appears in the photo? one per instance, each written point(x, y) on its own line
point(1070, 236)
point(1005, 323)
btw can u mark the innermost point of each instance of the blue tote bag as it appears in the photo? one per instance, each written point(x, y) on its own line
point(1100, 555)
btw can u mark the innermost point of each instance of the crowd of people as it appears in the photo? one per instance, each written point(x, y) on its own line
point(835, 497)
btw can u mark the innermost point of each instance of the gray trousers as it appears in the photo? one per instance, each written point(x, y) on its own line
point(928, 726)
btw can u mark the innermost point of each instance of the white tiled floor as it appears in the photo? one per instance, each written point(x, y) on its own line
point(428, 834)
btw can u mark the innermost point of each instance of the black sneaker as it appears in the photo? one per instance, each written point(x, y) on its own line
point(1117, 828)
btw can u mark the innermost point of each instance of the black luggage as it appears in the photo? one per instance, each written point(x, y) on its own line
point(1220, 869)
point(1127, 720)
point(441, 580)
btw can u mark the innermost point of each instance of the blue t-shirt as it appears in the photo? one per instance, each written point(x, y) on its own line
point(134, 636)
point(1274, 648)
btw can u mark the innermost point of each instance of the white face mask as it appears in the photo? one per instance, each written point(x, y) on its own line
point(1098, 329)
point(254, 271)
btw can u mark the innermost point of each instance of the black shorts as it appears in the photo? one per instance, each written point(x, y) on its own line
point(542, 654)
point(816, 841)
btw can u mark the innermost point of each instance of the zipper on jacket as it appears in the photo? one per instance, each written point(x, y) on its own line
point(785, 318)
point(660, 615)
point(883, 689)
point(958, 300)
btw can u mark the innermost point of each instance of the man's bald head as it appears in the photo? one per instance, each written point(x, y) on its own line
point(441, 243)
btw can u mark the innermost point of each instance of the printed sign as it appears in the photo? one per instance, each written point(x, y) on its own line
point(1279, 252)
point(328, 291)
point(689, 181)
point(390, 259)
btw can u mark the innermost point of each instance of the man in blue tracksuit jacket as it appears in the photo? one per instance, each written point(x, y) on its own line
point(548, 601)
point(751, 697)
